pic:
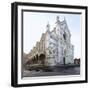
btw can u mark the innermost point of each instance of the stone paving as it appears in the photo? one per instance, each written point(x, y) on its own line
point(56, 71)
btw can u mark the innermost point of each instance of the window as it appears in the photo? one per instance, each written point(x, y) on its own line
point(50, 52)
point(64, 36)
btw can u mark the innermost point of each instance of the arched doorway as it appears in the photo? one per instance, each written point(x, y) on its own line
point(64, 60)
point(42, 58)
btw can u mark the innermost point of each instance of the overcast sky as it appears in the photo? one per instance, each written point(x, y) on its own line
point(35, 24)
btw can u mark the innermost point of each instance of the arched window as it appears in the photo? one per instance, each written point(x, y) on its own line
point(64, 36)
point(64, 51)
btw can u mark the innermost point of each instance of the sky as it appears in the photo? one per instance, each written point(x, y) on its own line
point(35, 24)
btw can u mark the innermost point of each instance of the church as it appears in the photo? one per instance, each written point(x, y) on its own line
point(54, 47)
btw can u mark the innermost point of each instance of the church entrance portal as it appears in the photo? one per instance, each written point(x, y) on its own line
point(42, 58)
point(64, 60)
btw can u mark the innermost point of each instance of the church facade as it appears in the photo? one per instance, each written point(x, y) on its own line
point(54, 47)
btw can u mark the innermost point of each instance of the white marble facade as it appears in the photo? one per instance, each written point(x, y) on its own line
point(58, 47)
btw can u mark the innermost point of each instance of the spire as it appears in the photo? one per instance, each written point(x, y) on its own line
point(48, 27)
point(57, 20)
point(64, 19)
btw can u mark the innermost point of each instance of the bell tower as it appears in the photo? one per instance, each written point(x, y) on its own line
point(57, 25)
